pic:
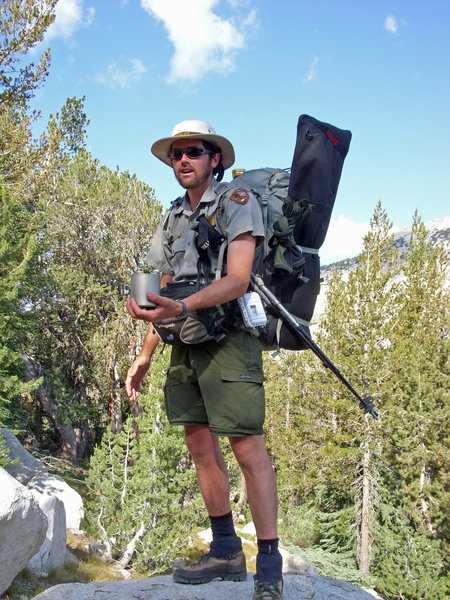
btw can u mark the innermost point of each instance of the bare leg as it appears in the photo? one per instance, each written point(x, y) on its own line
point(211, 469)
point(251, 454)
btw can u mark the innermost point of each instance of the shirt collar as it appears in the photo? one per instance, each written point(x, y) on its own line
point(210, 193)
point(208, 196)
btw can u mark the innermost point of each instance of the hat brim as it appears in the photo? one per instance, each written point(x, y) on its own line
point(161, 148)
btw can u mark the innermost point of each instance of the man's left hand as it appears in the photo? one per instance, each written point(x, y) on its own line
point(165, 308)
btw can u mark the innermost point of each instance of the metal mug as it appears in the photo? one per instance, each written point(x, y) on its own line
point(143, 283)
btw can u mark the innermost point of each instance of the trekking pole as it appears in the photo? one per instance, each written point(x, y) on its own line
point(270, 299)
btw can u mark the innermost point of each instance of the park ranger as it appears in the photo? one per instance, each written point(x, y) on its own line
point(215, 387)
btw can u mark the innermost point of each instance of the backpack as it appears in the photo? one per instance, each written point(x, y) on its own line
point(296, 207)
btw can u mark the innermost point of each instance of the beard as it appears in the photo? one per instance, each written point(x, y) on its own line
point(198, 174)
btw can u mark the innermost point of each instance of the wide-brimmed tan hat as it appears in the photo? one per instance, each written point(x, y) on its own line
point(198, 130)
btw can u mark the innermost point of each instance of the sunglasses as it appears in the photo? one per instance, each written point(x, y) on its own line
point(190, 151)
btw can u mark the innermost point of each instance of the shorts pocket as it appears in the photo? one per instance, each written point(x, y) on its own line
point(242, 409)
point(182, 399)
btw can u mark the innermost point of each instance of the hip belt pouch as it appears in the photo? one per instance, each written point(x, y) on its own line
point(196, 327)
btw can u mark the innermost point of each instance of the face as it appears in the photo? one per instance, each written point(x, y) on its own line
point(193, 173)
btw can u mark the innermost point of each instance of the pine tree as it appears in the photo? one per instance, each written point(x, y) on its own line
point(355, 334)
point(408, 562)
point(294, 426)
point(327, 452)
point(387, 332)
point(145, 499)
point(418, 425)
point(22, 25)
point(16, 248)
point(95, 226)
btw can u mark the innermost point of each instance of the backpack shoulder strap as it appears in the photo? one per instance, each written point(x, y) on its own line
point(216, 217)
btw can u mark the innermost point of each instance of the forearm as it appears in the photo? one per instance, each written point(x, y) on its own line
point(240, 256)
point(150, 342)
point(220, 291)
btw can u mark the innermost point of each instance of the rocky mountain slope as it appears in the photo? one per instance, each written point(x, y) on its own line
point(438, 232)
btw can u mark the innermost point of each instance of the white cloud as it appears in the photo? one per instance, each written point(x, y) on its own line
point(391, 24)
point(344, 239)
point(70, 15)
point(312, 73)
point(203, 41)
point(122, 75)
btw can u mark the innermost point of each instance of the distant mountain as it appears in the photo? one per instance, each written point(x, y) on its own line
point(438, 231)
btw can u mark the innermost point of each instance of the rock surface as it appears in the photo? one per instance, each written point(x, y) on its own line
point(50, 484)
point(52, 553)
point(34, 474)
point(22, 526)
point(35, 509)
point(296, 587)
point(295, 563)
point(27, 466)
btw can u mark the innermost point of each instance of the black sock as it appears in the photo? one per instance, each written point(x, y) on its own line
point(269, 562)
point(225, 541)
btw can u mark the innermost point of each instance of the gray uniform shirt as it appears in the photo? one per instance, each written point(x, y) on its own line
point(174, 252)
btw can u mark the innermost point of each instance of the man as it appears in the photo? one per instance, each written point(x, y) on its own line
point(214, 388)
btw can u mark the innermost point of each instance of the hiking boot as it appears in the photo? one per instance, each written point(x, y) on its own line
point(228, 568)
point(268, 591)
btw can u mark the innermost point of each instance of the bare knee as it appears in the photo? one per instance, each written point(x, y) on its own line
point(202, 445)
point(250, 452)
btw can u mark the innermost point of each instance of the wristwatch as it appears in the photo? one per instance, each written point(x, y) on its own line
point(183, 312)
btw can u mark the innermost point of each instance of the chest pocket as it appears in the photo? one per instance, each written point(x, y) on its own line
point(178, 251)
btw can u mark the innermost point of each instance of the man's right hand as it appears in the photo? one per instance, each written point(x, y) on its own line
point(135, 375)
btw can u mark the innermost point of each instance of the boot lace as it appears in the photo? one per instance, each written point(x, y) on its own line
point(267, 591)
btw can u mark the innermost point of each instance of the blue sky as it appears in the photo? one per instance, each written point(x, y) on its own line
point(380, 68)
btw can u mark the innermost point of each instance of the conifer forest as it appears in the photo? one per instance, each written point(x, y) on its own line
point(363, 500)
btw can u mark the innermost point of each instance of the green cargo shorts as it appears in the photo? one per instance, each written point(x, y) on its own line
point(219, 384)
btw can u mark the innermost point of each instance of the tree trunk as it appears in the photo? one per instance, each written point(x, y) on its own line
point(115, 407)
point(423, 501)
point(75, 439)
point(365, 549)
point(131, 547)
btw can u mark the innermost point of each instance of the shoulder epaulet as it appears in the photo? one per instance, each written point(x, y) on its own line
point(226, 187)
point(173, 205)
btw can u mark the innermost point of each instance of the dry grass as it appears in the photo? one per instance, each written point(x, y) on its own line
point(89, 568)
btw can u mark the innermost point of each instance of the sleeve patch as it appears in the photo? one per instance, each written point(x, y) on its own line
point(240, 197)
